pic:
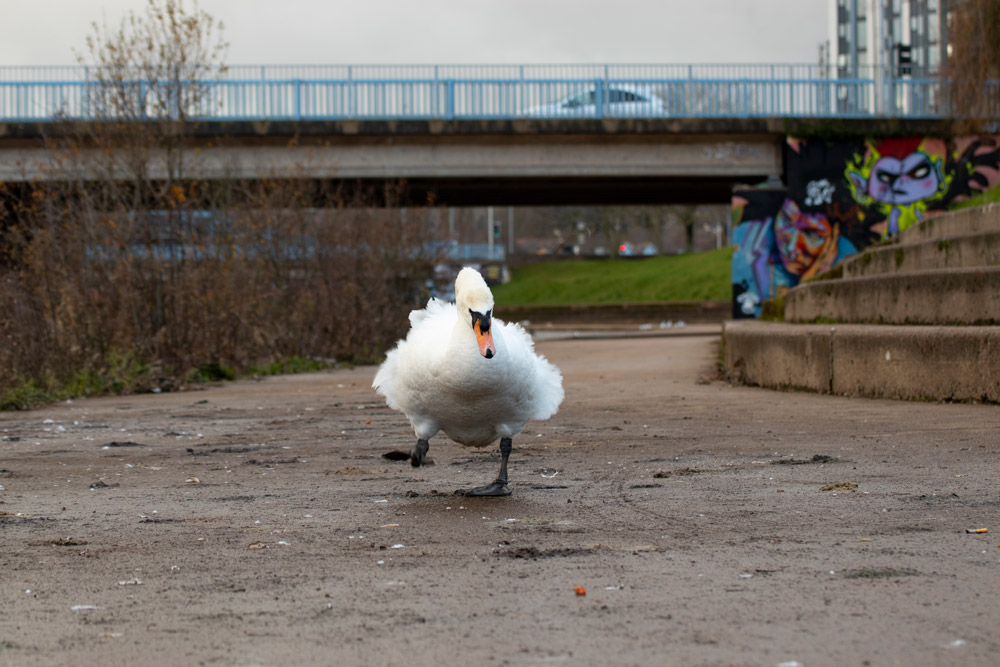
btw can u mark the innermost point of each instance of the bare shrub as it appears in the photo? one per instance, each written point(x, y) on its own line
point(122, 269)
point(150, 295)
point(972, 72)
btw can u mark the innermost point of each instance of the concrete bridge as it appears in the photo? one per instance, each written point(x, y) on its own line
point(478, 162)
point(467, 135)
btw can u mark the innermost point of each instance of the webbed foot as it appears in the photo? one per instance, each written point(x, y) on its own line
point(497, 488)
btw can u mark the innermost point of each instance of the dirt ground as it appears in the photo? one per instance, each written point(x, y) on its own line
point(257, 523)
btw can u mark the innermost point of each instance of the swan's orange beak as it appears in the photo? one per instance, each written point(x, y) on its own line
point(481, 326)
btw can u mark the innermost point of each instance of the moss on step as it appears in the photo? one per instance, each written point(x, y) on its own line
point(865, 258)
point(836, 273)
point(773, 310)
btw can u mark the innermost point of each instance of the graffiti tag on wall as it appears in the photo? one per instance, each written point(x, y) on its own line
point(843, 196)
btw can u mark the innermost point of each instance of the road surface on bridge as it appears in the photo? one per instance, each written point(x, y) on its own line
point(257, 523)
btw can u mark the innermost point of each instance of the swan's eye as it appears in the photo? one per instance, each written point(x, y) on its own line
point(482, 320)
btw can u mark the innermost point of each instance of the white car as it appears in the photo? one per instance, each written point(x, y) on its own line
point(617, 100)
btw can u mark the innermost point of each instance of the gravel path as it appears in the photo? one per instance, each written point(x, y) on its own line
point(257, 523)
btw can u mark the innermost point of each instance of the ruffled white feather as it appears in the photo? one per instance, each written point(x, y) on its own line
point(439, 380)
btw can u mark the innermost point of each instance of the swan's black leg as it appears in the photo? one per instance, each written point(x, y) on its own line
point(506, 445)
point(499, 487)
point(419, 453)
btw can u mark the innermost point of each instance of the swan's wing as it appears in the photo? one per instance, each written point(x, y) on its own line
point(435, 308)
point(549, 391)
point(546, 379)
point(406, 367)
point(386, 379)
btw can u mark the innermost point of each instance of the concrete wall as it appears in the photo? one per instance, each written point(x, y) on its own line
point(898, 362)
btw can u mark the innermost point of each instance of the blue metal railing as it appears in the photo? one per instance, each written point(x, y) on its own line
point(335, 92)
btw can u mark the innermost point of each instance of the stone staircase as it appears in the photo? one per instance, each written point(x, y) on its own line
point(916, 319)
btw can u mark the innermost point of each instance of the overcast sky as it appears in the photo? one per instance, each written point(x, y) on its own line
point(51, 32)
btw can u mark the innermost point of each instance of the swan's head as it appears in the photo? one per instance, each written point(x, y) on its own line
point(474, 302)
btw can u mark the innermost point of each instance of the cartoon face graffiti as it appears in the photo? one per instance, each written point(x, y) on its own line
point(895, 181)
point(841, 197)
point(899, 179)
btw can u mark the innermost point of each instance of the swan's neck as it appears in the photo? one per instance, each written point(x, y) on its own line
point(462, 331)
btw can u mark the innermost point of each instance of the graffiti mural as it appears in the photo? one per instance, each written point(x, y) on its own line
point(843, 196)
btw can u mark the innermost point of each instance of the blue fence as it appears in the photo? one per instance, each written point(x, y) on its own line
point(337, 92)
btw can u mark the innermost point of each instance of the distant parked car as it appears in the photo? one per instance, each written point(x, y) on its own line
point(617, 100)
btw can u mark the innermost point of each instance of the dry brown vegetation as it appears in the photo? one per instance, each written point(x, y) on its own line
point(121, 271)
point(972, 72)
point(100, 295)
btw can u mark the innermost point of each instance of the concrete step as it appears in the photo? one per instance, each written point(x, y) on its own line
point(954, 223)
point(965, 251)
point(949, 296)
point(937, 363)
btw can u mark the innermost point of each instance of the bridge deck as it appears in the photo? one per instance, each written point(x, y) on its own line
point(473, 162)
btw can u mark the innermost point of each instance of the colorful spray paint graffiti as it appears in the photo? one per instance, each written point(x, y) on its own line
point(841, 197)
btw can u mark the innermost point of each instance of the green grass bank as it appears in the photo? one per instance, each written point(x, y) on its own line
point(702, 276)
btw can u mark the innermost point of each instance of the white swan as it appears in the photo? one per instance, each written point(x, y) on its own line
point(474, 377)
